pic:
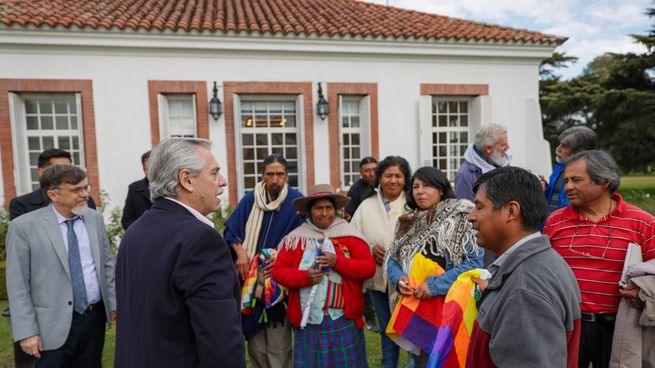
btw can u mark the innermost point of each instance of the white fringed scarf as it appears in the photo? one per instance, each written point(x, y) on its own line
point(254, 223)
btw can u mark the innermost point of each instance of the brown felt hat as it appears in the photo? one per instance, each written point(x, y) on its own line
point(320, 191)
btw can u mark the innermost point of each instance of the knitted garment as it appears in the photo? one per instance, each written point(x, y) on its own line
point(435, 232)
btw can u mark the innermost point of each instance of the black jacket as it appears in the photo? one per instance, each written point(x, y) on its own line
point(178, 294)
point(136, 203)
point(33, 201)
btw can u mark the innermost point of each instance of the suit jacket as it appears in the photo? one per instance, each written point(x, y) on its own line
point(33, 201)
point(38, 276)
point(137, 202)
point(178, 294)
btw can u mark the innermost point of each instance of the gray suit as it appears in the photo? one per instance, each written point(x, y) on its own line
point(38, 275)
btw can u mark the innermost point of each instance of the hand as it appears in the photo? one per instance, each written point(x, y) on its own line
point(544, 183)
point(404, 287)
point(378, 254)
point(32, 346)
point(112, 317)
point(326, 259)
point(630, 293)
point(267, 271)
point(423, 292)
point(243, 261)
point(482, 284)
point(314, 275)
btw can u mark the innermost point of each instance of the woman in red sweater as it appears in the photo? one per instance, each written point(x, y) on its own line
point(323, 264)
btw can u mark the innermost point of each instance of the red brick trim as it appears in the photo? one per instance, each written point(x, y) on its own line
point(83, 87)
point(289, 88)
point(334, 90)
point(441, 89)
point(199, 88)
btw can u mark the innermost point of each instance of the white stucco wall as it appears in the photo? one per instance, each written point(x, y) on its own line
point(120, 91)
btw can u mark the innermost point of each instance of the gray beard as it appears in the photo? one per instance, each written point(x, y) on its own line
point(498, 158)
point(80, 210)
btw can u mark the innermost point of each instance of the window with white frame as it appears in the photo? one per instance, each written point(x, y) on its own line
point(177, 115)
point(354, 136)
point(267, 125)
point(450, 133)
point(42, 121)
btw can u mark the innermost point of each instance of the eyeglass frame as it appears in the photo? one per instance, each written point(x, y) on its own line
point(77, 191)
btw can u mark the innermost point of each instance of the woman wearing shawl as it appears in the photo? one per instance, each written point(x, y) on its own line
point(433, 245)
point(323, 264)
point(376, 218)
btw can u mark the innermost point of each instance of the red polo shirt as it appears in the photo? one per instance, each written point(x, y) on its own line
point(595, 251)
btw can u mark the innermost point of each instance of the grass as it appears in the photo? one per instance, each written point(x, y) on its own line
point(639, 190)
point(374, 355)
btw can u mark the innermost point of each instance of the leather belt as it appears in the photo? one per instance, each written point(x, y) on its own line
point(594, 317)
point(92, 307)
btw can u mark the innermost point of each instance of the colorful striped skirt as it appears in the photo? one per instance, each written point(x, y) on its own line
point(335, 343)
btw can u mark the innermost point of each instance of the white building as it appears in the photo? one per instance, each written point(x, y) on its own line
point(107, 80)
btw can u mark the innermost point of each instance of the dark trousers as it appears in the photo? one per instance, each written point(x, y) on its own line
point(596, 342)
point(83, 347)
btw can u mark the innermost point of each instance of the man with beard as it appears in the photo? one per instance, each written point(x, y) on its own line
point(262, 218)
point(488, 152)
point(60, 275)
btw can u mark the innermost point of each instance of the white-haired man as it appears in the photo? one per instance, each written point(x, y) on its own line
point(487, 152)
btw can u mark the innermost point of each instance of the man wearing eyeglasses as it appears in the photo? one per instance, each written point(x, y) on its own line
point(592, 234)
point(37, 199)
point(60, 275)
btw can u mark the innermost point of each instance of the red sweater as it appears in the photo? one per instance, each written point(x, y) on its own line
point(354, 270)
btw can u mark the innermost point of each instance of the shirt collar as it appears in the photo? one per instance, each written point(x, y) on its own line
point(61, 218)
point(194, 212)
point(572, 213)
point(499, 261)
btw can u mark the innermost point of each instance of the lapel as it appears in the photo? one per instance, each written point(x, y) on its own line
point(92, 229)
point(52, 229)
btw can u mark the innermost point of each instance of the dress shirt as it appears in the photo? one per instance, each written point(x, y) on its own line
point(86, 256)
point(194, 212)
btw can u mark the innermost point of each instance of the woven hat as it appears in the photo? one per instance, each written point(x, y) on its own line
point(320, 191)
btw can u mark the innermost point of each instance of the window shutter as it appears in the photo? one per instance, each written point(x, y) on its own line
point(424, 131)
point(302, 163)
point(21, 155)
point(162, 104)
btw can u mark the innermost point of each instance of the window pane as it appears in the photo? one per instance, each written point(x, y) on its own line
point(30, 107)
point(355, 139)
point(45, 107)
point(33, 143)
point(247, 139)
point(34, 158)
point(46, 122)
point(291, 153)
point(76, 158)
point(32, 122)
point(76, 143)
point(248, 153)
point(73, 122)
point(249, 168)
point(48, 142)
point(61, 107)
point(261, 139)
point(249, 182)
point(277, 139)
point(64, 143)
point(62, 122)
point(290, 139)
point(262, 153)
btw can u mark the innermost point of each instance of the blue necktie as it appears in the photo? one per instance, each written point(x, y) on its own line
point(75, 264)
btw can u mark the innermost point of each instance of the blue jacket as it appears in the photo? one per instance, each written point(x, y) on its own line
point(558, 170)
point(465, 178)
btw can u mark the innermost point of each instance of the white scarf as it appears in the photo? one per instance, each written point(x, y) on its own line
point(254, 223)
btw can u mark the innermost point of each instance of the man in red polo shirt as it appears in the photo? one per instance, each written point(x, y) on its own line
point(592, 235)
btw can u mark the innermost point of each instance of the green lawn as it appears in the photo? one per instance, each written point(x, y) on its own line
point(639, 190)
point(6, 351)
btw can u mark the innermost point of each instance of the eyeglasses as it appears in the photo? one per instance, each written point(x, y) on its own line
point(587, 254)
point(78, 191)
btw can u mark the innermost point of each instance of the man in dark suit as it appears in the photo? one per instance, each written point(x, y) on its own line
point(138, 196)
point(60, 275)
point(37, 199)
point(178, 290)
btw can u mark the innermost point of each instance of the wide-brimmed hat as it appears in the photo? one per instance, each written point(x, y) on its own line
point(320, 191)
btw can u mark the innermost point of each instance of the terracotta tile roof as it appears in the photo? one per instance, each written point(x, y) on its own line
point(330, 18)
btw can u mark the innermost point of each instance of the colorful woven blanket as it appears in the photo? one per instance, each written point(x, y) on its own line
point(257, 288)
point(457, 318)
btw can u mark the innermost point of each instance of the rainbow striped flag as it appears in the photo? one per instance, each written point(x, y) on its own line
point(457, 318)
point(414, 323)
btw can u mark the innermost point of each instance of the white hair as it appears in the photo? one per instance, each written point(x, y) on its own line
point(170, 157)
point(488, 135)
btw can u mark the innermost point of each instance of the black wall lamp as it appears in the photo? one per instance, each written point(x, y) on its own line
point(322, 106)
point(215, 105)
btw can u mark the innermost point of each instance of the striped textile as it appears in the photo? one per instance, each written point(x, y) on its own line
point(457, 319)
point(414, 322)
point(334, 298)
point(596, 251)
point(333, 343)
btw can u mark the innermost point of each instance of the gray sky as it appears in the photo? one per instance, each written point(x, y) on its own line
point(593, 27)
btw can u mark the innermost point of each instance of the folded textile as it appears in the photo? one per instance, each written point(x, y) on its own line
point(257, 288)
